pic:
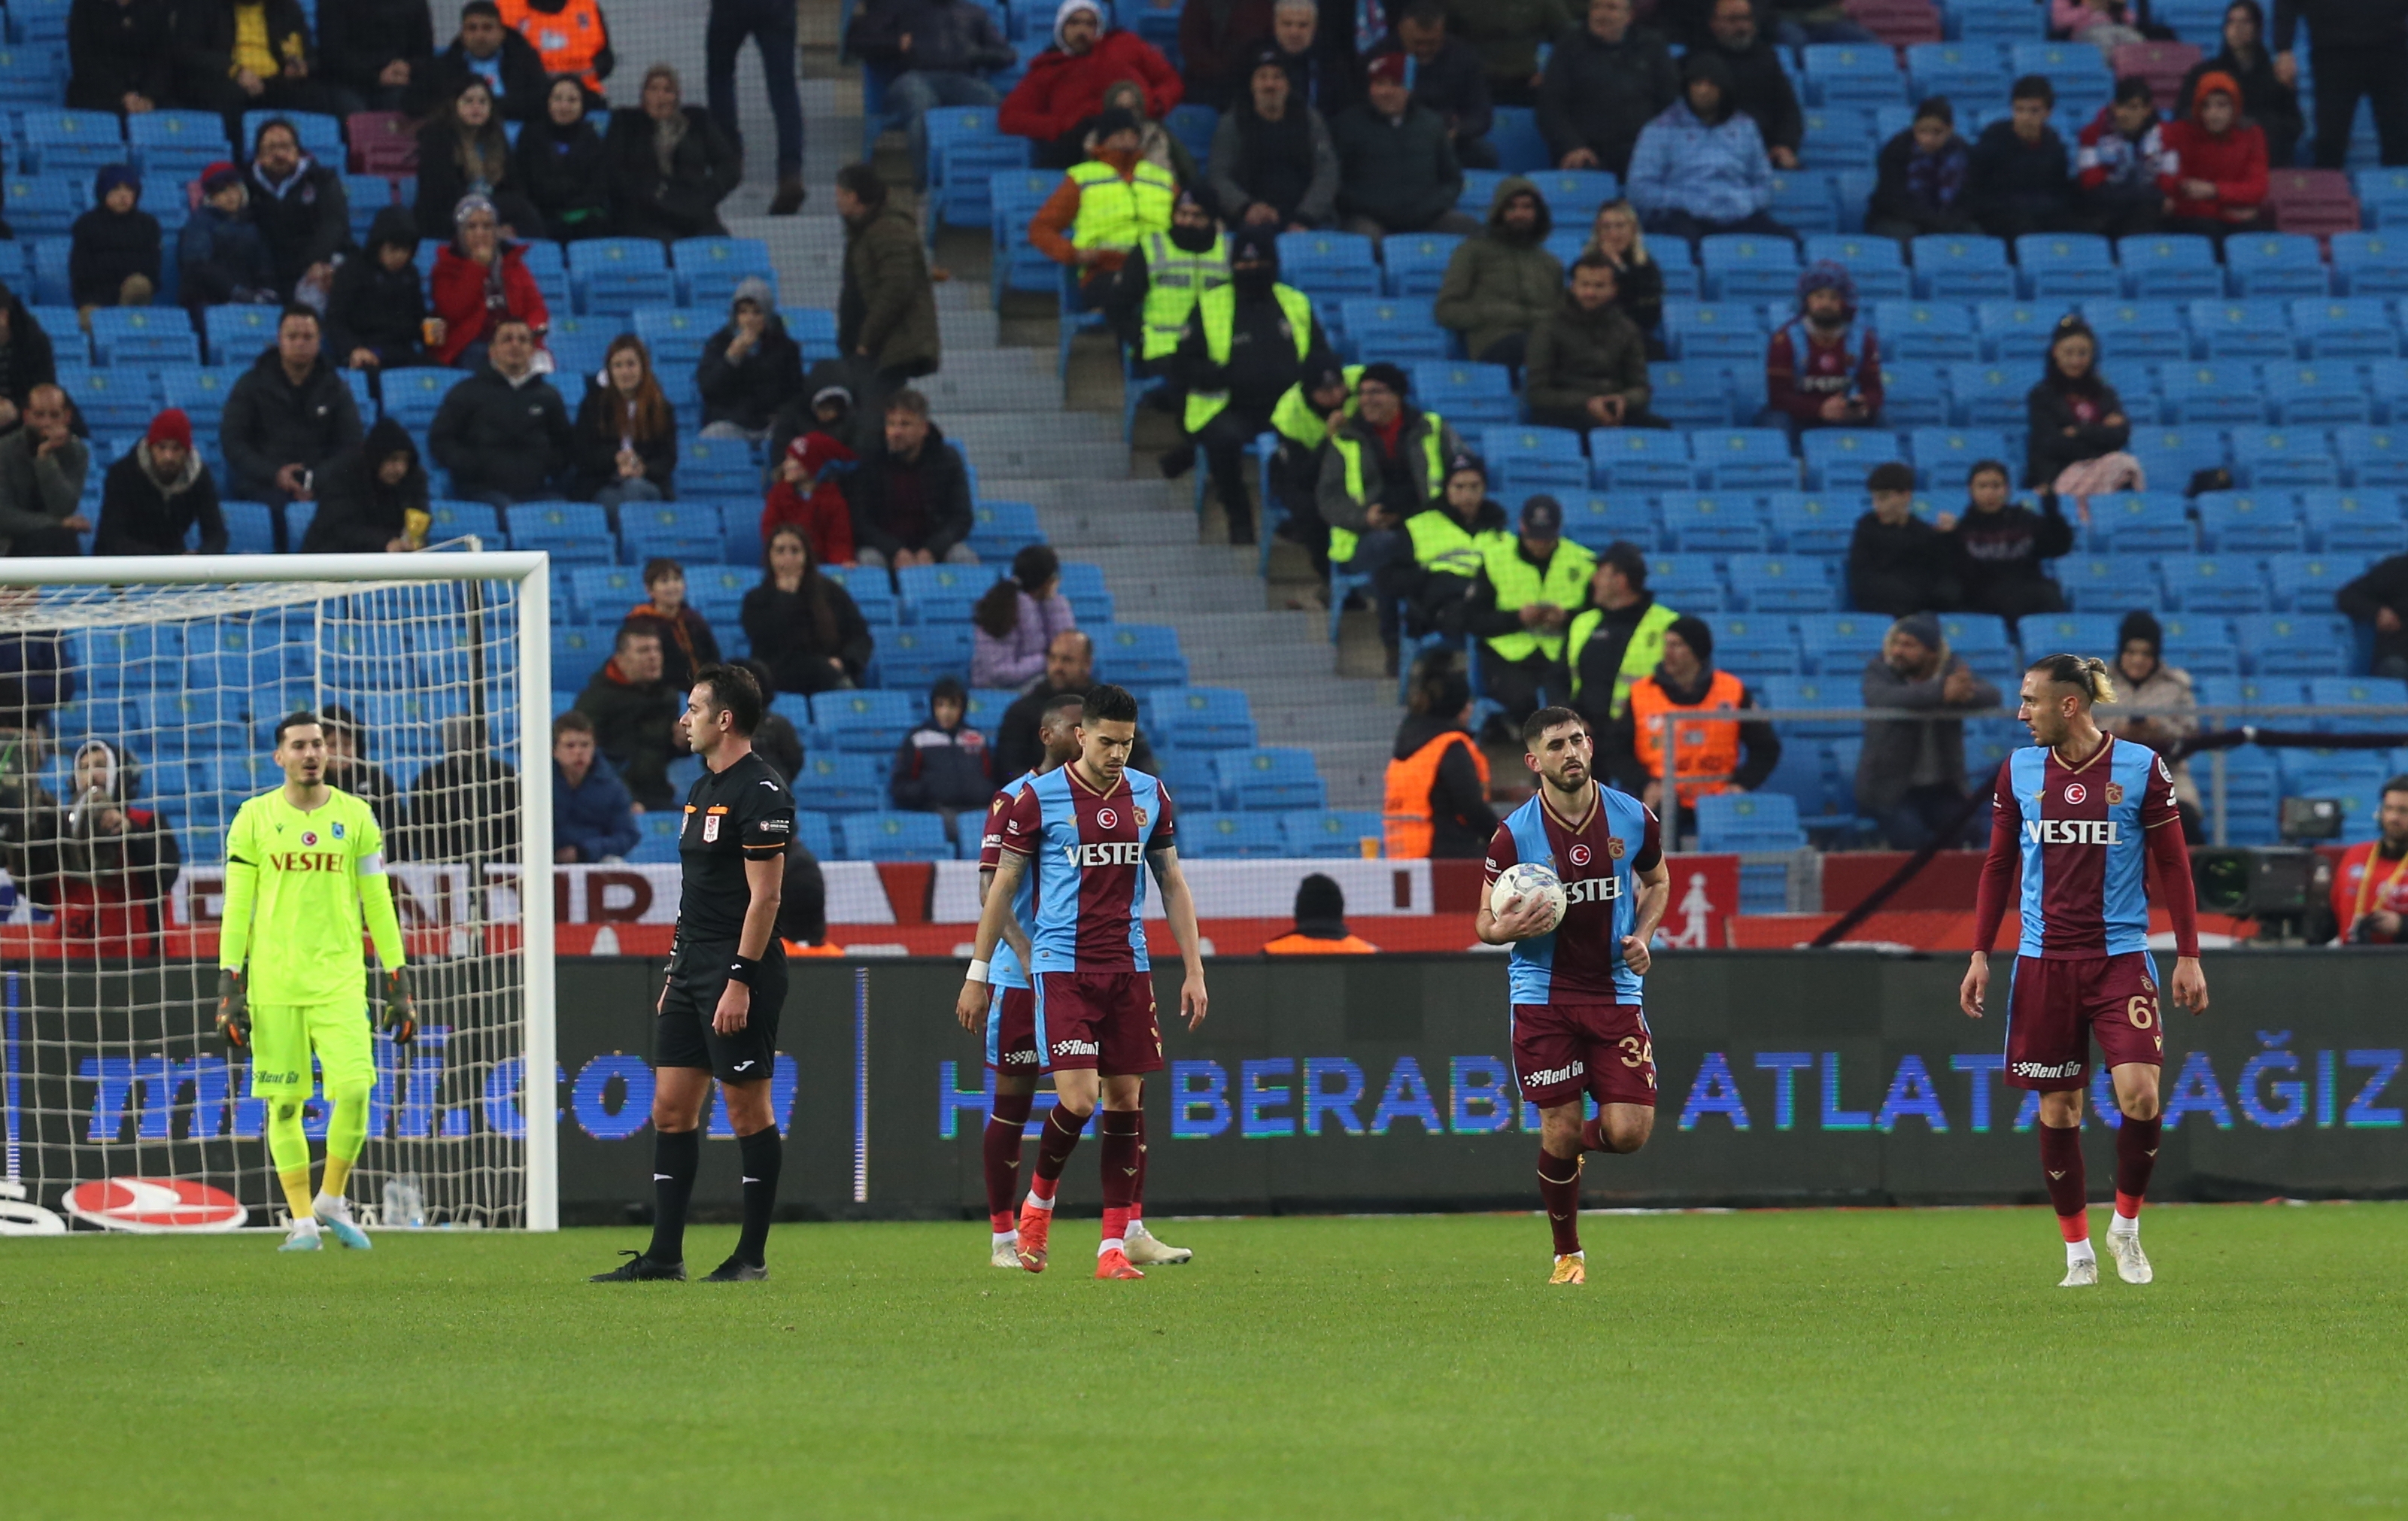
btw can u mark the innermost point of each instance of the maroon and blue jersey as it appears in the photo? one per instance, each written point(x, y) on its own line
point(2082, 833)
point(1580, 960)
point(1087, 853)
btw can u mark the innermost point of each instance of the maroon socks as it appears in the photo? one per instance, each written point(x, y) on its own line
point(2136, 1158)
point(1559, 1191)
point(1056, 1142)
point(1119, 1129)
point(2061, 1160)
point(999, 1148)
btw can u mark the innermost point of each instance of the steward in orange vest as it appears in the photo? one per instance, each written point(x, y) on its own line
point(1320, 923)
point(1436, 794)
point(1707, 755)
point(570, 35)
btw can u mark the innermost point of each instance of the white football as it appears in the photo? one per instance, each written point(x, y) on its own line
point(1525, 879)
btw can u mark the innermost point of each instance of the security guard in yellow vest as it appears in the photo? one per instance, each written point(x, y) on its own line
point(1103, 207)
point(1450, 544)
point(1709, 754)
point(1301, 420)
point(1247, 345)
point(1529, 586)
point(1617, 638)
point(1385, 464)
point(1162, 281)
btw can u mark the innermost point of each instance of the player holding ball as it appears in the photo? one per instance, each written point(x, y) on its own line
point(1579, 954)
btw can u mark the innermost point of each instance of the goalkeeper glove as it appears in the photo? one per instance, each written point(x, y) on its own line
point(400, 1013)
point(234, 1008)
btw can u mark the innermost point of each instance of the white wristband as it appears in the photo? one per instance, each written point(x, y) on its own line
point(977, 972)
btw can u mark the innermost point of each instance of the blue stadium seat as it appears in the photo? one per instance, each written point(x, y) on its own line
point(1690, 396)
point(1745, 459)
point(2306, 583)
point(2169, 267)
point(2270, 458)
point(70, 144)
point(1944, 455)
point(1749, 821)
point(2150, 331)
point(717, 467)
point(1326, 833)
point(830, 782)
point(2250, 522)
point(322, 135)
point(1465, 393)
point(2347, 328)
point(1204, 718)
point(615, 275)
point(668, 530)
point(2373, 456)
point(1002, 529)
point(1740, 267)
point(2363, 521)
point(1083, 583)
point(2371, 262)
point(1914, 395)
point(2068, 266)
point(1415, 262)
point(1329, 264)
point(1962, 266)
point(1139, 655)
point(709, 269)
point(1572, 195)
point(1530, 459)
point(1839, 459)
point(2175, 454)
point(1519, 144)
point(1808, 201)
point(910, 659)
point(251, 527)
point(2274, 264)
point(1711, 524)
point(411, 396)
point(1270, 778)
point(893, 837)
point(572, 533)
point(965, 149)
point(2226, 583)
point(1209, 834)
point(2014, 332)
point(1378, 327)
point(600, 593)
point(147, 337)
point(1191, 780)
point(2316, 395)
point(2294, 643)
point(113, 403)
point(1988, 395)
point(2243, 330)
point(2109, 583)
point(2361, 692)
point(1705, 330)
point(2078, 633)
point(173, 146)
point(1813, 522)
point(44, 207)
point(2210, 395)
point(675, 335)
point(1942, 331)
point(941, 594)
point(1852, 73)
point(1596, 522)
point(2139, 522)
point(1782, 582)
point(238, 335)
point(1640, 460)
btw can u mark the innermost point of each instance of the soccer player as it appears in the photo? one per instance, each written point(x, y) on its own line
point(726, 981)
point(305, 867)
point(1088, 830)
point(2078, 808)
point(1010, 1023)
point(1578, 1024)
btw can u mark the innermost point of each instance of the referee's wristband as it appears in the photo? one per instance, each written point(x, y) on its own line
point(742, 969)
point(978, 972)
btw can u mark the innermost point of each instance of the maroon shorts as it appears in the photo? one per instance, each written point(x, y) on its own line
point(1563, 1050)
point(2054, 1007)
point(1012, 1031)
point(1098, 1019)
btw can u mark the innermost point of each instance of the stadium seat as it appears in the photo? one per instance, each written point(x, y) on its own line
point(143, 337)
point(1953, 266)
point(2243, 330)
point(2372, 263)
point(1783, 584)
point(1595, 522)
point(2306, 583)
point(1377, 327)
point(1688, 395)
point(2136, 521)
point(1191, 780)
point(1808, 201)
point(1745, 459)
point(1838, 644)
point(173, 146)
point(1988, 395)
point(1270, 778)
point(2316, 395)
point(2347, 328)
point(2361, 692)
point(1327, 833)
point(2373, 456)
point(1943, 456)
point(709, 269)
point(1001, 529)
point(2293, 644)
point(717, 467)
point(238, 335)
point(2250, 522)
point(1197, 718)
point(572, 533)
point(2149, 331)
point(941, 594)
point(910, 659)
point(1942, 331)
point(2169, 267)
point(2274, 264)
point(1533, 459)
point(1914, 395)
point(2270, 458)
point(2048, 633)
point(1813, 522)
point(2227, 584)
point(615, 275)
point(1747, 267)
point(1329, 264)
point(1083, 583)
point(1572, 195)
point(322, 135)
point(1839, 459)
point(2363, 521)
point(2210, 395)
point(1704, 330)
point(2014, 332)
point(1209, 834)
point(1852, 73)
point(830, 782)
point(1465, 393)
point(1749, 821)
point(1711, 524)
point(2175, 454)
point(2067, 266)
point(1640, 460)
point(1414, 263)
point(675, 335)
point(114, 403)
point(71, 144)
point(2109, 583)
point(1139, 655)
point(893, 837)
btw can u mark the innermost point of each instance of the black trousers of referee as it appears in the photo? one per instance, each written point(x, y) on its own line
point(2342, 75)
point(1224, 441)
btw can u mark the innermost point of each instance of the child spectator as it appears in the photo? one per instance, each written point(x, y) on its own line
point(153, 495)
point(627, 432)
point(219, 256)
point(1897, 563)
point(593, 818)
point(2265, 98)
point(1015, 622)
point(687, 644)
point(561, 166)
point(1999, 546)
point(371, 498)
point(2118, 158)
point(478, 279)
point(2213, 171)
point(377, 317)
point(944, 766)
point(1819, 372)
point(2078, 426)
point(114, 261)
point(1924, 179)
point(802, 625)
point(464, 151)
point(2020, 178)
point(807, 492)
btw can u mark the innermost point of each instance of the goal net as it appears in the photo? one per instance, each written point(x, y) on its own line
point(138, 706)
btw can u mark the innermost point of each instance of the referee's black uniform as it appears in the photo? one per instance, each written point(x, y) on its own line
point(743, 813)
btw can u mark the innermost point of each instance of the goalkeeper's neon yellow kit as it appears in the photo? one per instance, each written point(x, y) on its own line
point(298, 887)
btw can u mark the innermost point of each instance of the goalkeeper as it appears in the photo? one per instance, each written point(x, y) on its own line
point(305, 864)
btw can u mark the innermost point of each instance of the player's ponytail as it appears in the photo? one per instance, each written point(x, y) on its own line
point(2086, 674)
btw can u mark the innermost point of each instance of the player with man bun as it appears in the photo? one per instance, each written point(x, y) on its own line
point(2074, 814)
point(1578, 1027)
point(305, 867)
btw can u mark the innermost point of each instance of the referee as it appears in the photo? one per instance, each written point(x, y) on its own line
point(726, 979)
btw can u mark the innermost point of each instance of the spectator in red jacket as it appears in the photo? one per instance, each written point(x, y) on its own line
point(1063, 88)
point(809, 495)
point(1821, 370)
point(478, 279)
point(2213, 167)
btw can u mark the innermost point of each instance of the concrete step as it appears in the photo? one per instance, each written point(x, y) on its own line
point(1046, 443)
point(977, 380)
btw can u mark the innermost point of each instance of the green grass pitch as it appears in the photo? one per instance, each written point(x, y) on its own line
point(1797, 1364)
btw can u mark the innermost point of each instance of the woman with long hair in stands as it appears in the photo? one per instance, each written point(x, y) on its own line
point(1015, 623)
point(802, 625)
point(463, 150)
point(626, 431)
point(1638, 279)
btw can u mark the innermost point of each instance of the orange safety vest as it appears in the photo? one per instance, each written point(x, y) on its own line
point(1409, 826)
point(567, 41)
point(1305, 945)
point(1705, 754)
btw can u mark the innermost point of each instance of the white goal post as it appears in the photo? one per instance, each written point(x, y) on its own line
point(138, 701)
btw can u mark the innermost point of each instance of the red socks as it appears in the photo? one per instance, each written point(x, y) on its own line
point(999, 1149)
point(1055, 1142)
point(2061, 1160)
point(1559, 1191)
point(1119, 1129)
point(2136, 1158)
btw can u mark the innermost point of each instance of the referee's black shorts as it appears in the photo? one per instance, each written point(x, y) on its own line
point(682, 1036)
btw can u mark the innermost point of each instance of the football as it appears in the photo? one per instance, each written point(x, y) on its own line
point(1528, 877)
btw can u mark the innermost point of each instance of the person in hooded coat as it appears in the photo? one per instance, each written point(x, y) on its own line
point(371, 498)
point(562, 167)
point(114, 258)
point(1501, 285)
point(157, 492)
point(2213, 169)
point(101, 864)
point(750, 368)
point(1063, 90)
point(376, 318)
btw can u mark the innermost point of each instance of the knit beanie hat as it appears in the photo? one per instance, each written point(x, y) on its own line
point(1696, 634)
point(218, 176)
point(171, 426)
point(110, 176)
